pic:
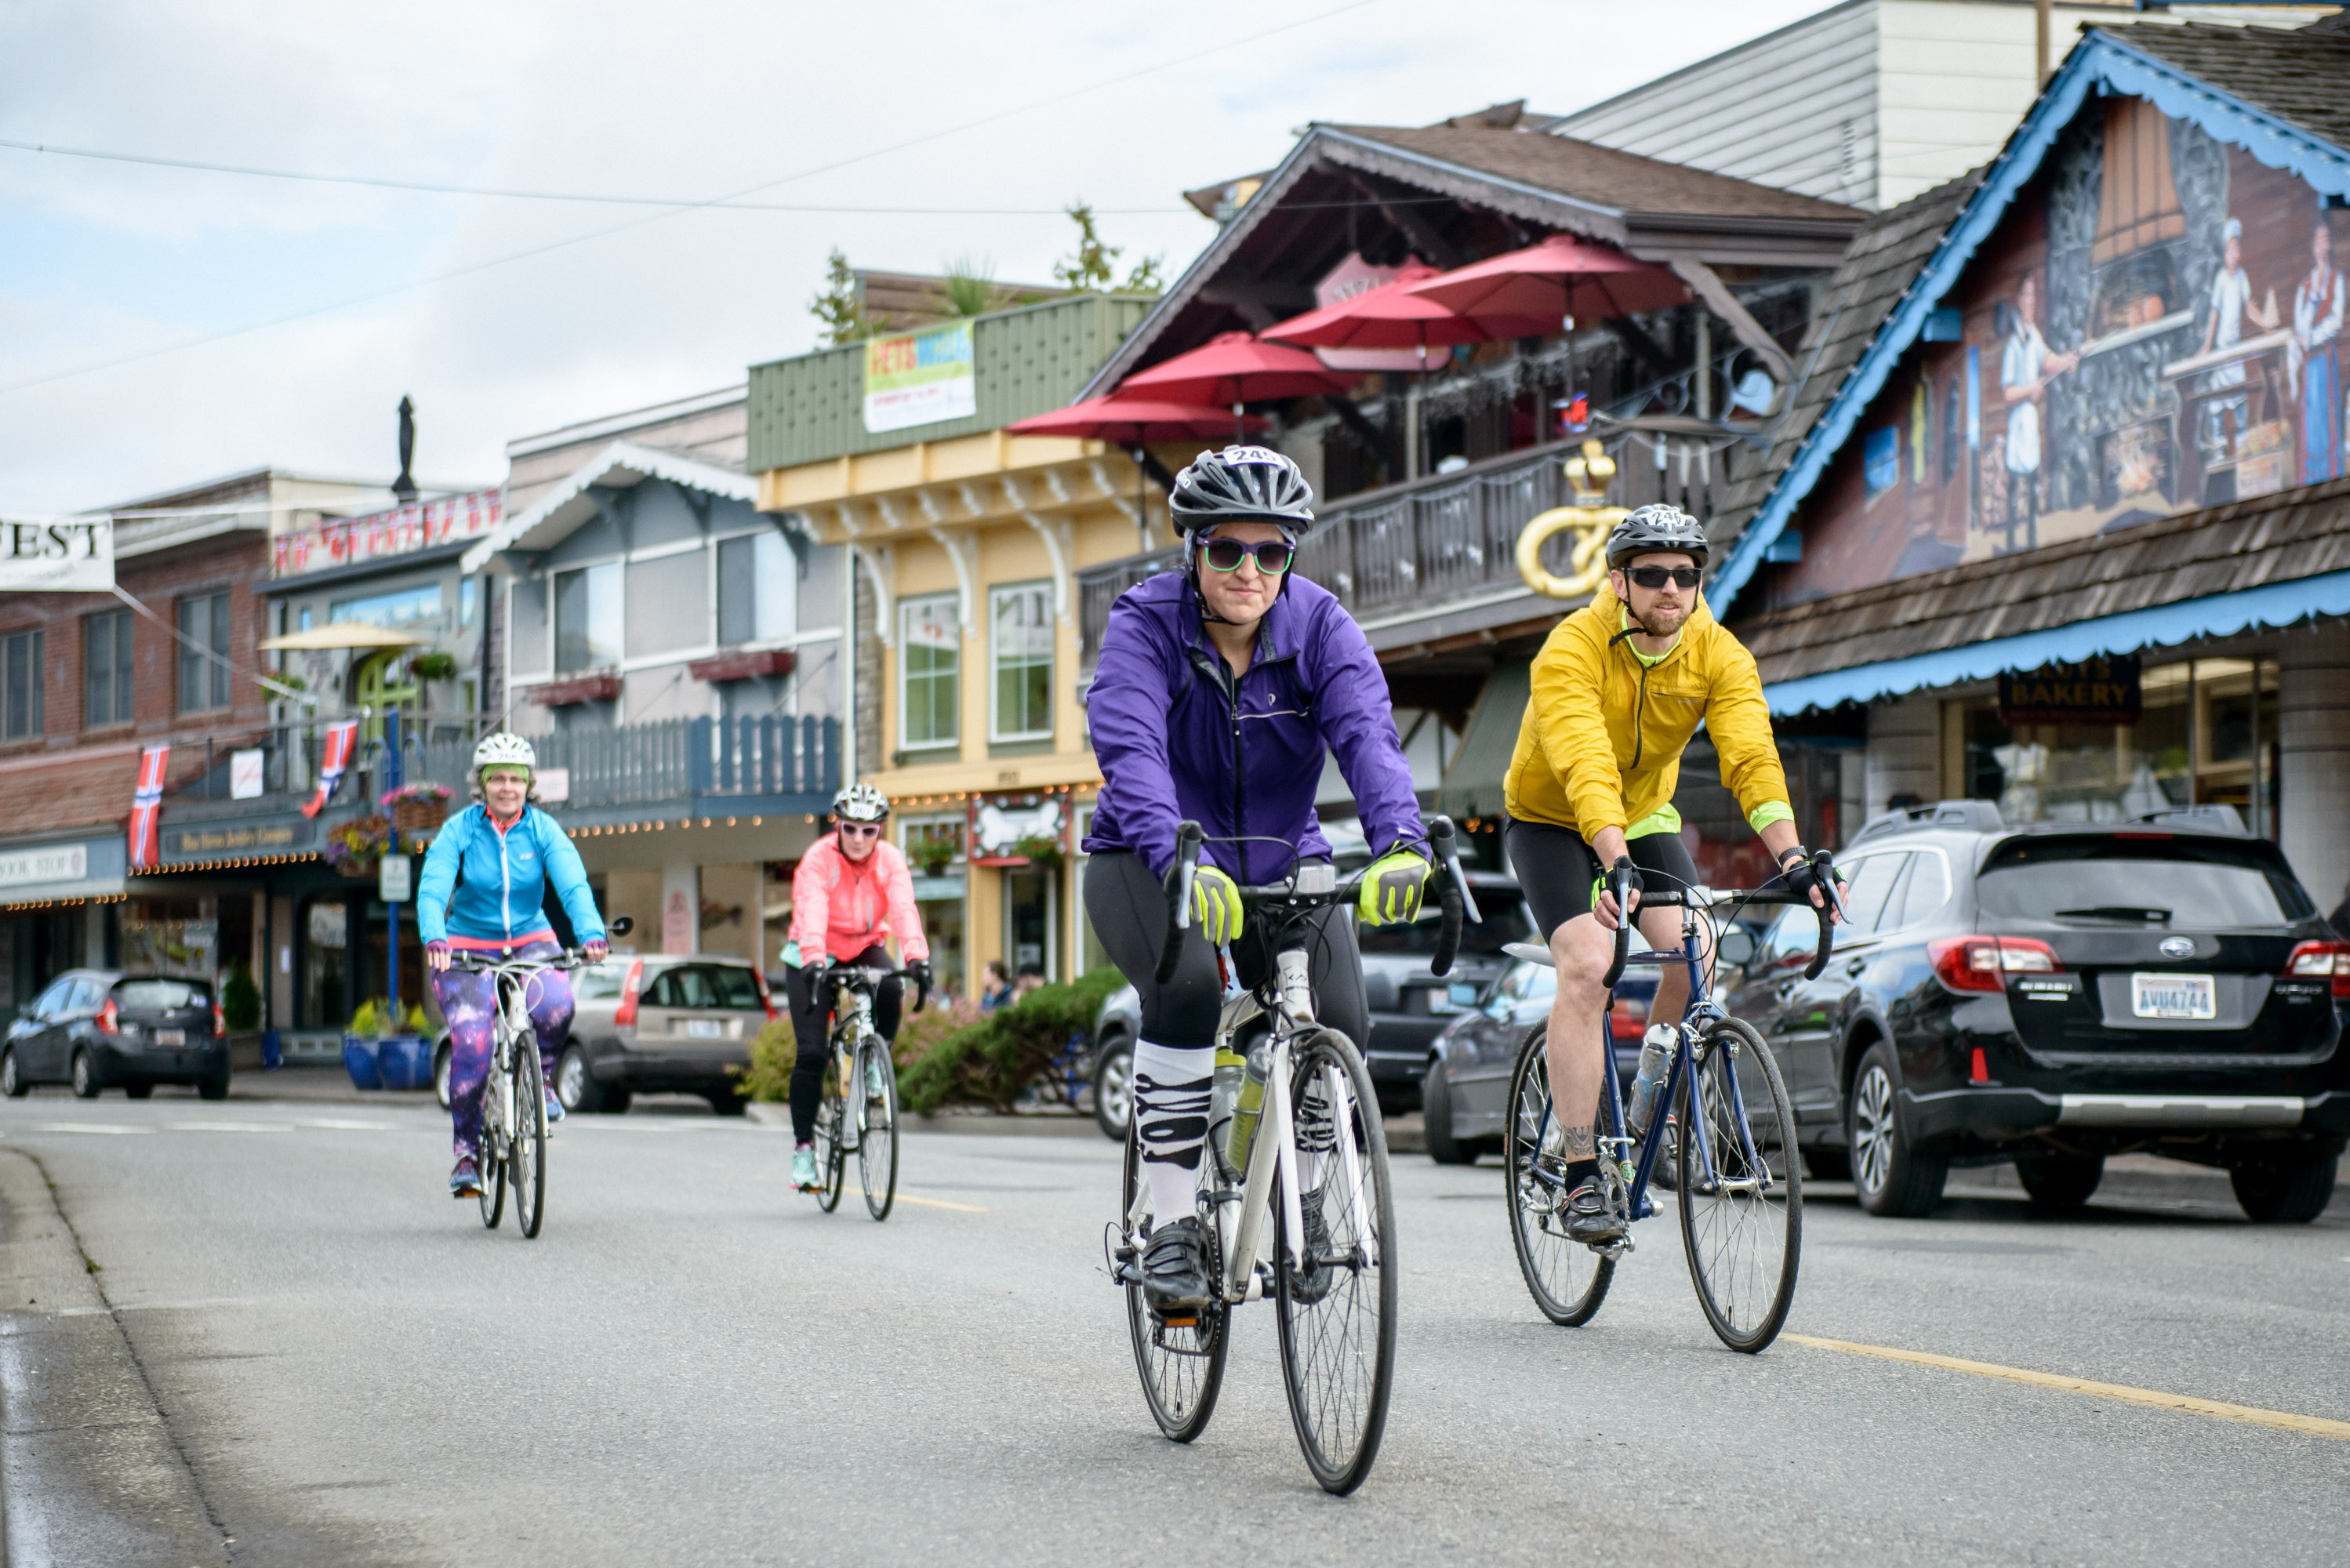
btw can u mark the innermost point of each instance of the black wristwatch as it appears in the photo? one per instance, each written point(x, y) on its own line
point(1798, 852)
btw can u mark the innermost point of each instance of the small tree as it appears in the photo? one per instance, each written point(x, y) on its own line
point(1093, 266)
point(970, 286)
point(240, 998)
point(837, 308)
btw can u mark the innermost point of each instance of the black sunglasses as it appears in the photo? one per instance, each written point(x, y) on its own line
point(1657, 577)
point(1273, 556)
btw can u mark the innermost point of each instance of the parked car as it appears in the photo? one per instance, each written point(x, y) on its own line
point(1409, 1006)
point(655, 1024)
point(1118, 1027)
point(2057, 993)
point(1464, 1096)
point(97, 1028)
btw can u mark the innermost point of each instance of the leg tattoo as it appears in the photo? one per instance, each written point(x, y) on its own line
point(1576, 1143)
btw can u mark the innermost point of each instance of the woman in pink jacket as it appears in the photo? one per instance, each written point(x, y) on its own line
point(852, 892)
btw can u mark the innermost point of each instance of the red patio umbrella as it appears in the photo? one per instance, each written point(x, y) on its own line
point(1133, 423)
point(1392, 316)
point(1562, 276)
point(1234, 367)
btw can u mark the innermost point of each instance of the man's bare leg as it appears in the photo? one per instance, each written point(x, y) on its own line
point(1582, 949)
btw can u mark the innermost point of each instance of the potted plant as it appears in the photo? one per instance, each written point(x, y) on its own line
point(418, 808)
point(382, 1049)
point(933, 855)
point(432, 666)
point(354, 845)
point(1039, 850)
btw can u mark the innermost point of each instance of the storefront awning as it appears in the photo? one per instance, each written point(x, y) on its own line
point(2217, 614)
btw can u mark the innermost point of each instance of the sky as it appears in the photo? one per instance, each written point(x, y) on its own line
point(160, 327)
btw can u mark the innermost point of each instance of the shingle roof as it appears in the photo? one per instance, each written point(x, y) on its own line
point(1602, 176)
point(2297, 75)
point(1885, 257)
point(2222, 549)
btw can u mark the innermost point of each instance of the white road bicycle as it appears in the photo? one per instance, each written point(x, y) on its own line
point(858, 1113)
point(513, 1098)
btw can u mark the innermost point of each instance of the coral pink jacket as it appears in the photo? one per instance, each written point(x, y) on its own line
point(841, 907)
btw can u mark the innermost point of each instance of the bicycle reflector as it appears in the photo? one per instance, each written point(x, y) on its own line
point(2311, 960)
point(625, 1016)
point(1983, 963)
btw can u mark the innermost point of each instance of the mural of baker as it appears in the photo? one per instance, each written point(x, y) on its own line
point(2314, 361)
point(2226, 406)
point(2027, 366)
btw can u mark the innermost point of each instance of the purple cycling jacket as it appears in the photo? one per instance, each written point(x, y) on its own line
point(1177, 737)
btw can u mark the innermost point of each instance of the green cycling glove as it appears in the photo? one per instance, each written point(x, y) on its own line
point(1391, 889)
point(1216, 905)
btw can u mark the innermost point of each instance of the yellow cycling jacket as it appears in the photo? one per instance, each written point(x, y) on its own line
point(1600, 746)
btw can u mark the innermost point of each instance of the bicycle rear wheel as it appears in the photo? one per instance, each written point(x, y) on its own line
point(877, 1134)
point(1182, 1364)
point(529, 1138)
point(1740, 1197)
point(489, 1154)
point(1567, 1278)
point(1336, 1304)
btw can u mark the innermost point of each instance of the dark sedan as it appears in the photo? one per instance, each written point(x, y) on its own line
point(1467, 1089)
point(1410, 1005)
point(95, 1029)
point(2057, 993)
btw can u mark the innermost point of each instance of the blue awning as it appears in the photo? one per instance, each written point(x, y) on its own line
point(2219, 615)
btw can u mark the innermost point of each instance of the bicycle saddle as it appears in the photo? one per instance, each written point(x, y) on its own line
point(1532, 953)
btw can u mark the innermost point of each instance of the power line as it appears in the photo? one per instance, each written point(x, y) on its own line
point(430, 188)
point(553, 246)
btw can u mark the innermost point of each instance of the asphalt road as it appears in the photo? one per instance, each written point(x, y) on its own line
point(294, 1348)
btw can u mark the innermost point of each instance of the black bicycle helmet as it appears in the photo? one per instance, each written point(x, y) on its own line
point(1654, 528)
point(1242, 484)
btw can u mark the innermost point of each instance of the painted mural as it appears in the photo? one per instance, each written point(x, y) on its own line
point(2155, 326)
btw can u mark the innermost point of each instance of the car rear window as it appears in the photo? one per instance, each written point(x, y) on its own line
point(600, 982)
point(2174, 883)
point(160, 995)
point(1505, 921)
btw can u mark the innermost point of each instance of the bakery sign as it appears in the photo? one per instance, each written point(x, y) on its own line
point(2093, 691)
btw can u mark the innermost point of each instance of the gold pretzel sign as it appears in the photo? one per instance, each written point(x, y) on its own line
point(1587, 475)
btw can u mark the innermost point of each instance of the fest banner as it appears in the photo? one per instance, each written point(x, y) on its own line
point(919, 378)
point(56, 555)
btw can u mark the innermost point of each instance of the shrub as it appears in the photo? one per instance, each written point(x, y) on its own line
point(241, 999)
point(990, 1062)
point(375, 1019)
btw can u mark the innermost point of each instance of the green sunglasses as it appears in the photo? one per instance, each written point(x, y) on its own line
point(1273, 556)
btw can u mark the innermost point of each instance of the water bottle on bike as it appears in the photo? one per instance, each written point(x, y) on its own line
point(1655, 1058)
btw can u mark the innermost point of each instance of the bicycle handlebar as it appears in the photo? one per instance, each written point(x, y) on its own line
point(876, 976)
point(479, 960)
point(1619, 883)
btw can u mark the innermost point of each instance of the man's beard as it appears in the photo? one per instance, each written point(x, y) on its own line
point(1662, 623)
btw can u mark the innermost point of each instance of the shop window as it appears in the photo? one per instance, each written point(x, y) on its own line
point(203, 653)
point(1020, 620)
point(757, 587)
point(20, 685)
point(400, 607)
point(588, 618)
point(106, 668)
point(929, 672)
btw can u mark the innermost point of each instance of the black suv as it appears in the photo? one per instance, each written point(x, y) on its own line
point(2054, 993)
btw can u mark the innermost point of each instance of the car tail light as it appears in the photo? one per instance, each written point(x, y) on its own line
point(109, 1018)
point(2330, 959)
point(625, 1016)
point(1627, 1026)
point(1983, 963)
point(220, 1020)
point(765, 1000)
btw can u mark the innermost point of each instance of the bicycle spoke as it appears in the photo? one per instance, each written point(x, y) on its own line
point(1567, 1278)
point(1740, 1193)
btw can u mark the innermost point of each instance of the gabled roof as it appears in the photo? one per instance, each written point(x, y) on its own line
point(2306, 72)
point(1885, 258)
point(623, 464)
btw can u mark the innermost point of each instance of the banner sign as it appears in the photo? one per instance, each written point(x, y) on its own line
point(51, 863)
point(56, 555)
point(335, 541)
point(920, 379)
point(147, 807)
point(200, 842)
point(335, 756)
point(2093, 692)
point(393, 879)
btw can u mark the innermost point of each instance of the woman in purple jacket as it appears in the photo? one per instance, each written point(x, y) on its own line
point(1217, 690)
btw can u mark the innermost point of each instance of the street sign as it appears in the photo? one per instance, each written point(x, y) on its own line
point(391, 880)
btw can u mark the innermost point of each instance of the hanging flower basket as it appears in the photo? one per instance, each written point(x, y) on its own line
point(418, 808)
point(354, 847)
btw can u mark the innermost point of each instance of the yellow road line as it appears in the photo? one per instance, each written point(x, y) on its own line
point(940, 1203)
point(2316, 1426)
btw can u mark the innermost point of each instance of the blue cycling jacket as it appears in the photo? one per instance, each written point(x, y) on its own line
point(506, 878)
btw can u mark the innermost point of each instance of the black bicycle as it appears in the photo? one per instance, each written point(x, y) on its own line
point(1328, 1257)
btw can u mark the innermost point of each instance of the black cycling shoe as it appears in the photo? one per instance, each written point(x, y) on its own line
point(1175, 1267)
point(1589, 1218)
point(1311, 1283)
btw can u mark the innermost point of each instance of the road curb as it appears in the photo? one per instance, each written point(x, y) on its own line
point(90, 1471)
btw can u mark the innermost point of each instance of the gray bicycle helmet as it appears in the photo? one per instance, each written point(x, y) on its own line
point(1652, 529)
point(1242, 484)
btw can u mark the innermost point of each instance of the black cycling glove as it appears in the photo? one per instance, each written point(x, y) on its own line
point(1802, 873)
point(918, 971)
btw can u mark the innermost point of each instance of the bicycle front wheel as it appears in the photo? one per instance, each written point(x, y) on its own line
point(1182, 1364)
point(876, 1133)
point(529, 1138)
point(831, 1158)
point(1741, 1190)
point(1336, 1299)
point(489, 1154)
point(1567, 1278)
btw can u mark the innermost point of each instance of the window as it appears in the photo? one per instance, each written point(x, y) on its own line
point(1923, 896)
point(1022, 619)
point(1871, 885)
point(468, 595)
point(1795, 935)
point(588, 618)
point(106, 668)
point(929, 661)
point(404, 607)
point(758, 583)
point(20, 685)
point(203, 653)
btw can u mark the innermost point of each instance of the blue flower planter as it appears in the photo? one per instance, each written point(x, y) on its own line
point(404, 1061)
point(360, 1061)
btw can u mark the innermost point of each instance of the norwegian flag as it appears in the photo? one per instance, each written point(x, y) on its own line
point(147, 808)
point(341, 738)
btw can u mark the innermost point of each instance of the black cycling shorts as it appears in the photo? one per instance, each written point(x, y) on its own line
point(1556, 868)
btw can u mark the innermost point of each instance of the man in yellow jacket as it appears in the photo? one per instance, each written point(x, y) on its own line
point(1619, 687)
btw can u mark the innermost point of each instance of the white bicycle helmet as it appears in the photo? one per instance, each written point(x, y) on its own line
point(504, 750)
point(861, 802)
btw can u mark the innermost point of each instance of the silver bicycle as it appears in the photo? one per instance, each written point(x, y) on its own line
point(514, 1099)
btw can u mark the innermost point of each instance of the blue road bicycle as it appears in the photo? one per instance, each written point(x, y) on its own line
point(1722, 1120)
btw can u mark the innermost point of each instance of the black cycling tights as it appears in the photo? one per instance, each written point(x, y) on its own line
point(812, 1027)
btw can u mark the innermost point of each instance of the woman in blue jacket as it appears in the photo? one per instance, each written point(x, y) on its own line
point(483, 889)
point(1219, 692)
